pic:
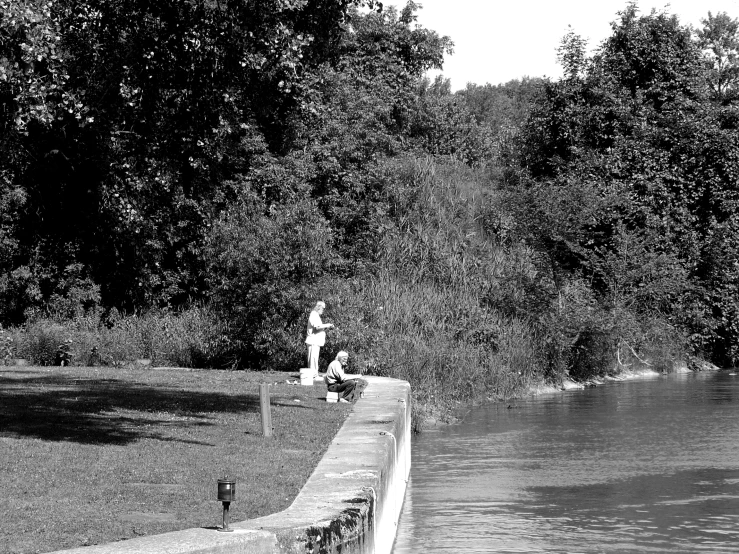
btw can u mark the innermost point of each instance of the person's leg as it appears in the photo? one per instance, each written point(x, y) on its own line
point(314, 367)
point(347, 390)
point(313, 352)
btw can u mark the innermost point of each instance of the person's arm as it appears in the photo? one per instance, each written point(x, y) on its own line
point(317, 324)
point(345, 377)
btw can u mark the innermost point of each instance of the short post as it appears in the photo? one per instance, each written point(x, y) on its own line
point(226, 494)
point(266, 414)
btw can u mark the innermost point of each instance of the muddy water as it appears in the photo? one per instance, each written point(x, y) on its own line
point(635, 466)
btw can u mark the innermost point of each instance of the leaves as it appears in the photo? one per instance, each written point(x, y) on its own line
point(719, 42)
point(631, 134)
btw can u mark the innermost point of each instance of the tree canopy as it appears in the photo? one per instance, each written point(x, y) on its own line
point(245, 153)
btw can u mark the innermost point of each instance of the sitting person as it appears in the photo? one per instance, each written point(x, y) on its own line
point(338, 381)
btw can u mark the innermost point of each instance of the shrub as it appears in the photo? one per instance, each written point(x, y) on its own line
point(7, 346)
point(74, 295)
point(263, 261)
point(189, 338)
point(19, 292)
point(42, 341)
point(441, 341)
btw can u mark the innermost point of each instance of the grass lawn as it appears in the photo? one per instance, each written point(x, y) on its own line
point(95, 455)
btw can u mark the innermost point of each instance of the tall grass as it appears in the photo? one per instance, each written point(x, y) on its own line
point(445, 345)
point(429, 305)
point(189, 338)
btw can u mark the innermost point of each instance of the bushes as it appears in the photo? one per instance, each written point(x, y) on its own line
point(7, 346)
point(465, 307)
point(440, 308)
point(440, 340)
point(41, 343)
point(19, 291)
point(191, 338)
point(429, 311)
point(262, 262)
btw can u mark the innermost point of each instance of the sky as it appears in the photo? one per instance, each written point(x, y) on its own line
point(499, 40)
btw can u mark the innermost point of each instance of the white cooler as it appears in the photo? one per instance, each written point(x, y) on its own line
point(306, 376)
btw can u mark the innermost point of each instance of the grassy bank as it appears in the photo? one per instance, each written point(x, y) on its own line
point(95, 455)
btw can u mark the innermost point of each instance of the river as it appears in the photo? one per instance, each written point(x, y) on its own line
point(645, 465)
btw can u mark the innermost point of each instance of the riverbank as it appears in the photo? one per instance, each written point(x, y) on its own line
point(452, 414)
point(640, 372)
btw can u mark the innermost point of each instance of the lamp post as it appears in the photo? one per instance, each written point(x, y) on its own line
point(226, 493)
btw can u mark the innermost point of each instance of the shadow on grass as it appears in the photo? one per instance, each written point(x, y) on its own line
point(62, 408)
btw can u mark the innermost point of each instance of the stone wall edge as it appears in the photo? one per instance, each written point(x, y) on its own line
point(351, 503)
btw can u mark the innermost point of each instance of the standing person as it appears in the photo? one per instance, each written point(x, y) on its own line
point(338, 381)
point(316, 336)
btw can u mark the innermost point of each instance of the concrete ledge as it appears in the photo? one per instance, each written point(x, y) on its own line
point(350, 504)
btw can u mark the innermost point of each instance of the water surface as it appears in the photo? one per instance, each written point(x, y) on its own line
point(632, 466)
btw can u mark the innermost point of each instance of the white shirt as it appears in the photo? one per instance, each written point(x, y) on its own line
point(316, 337)
point(335, 373)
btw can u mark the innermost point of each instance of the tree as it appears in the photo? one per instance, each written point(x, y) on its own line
point(122, 122)
point(719, 41)
point(571, 54)
point(442, 124)
point(262, 261)
point(651, 55)
point(502, 107)
point(633, 130)
point(360, 112)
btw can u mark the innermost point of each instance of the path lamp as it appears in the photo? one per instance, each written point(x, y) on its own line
point(226, 493)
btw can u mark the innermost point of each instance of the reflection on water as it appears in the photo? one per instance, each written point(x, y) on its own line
point(638, 466)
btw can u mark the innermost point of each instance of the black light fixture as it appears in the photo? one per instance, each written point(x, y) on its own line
point(226, 494)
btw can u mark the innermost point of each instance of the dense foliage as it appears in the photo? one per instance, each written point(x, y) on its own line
point(630, 163)
point(234, 161)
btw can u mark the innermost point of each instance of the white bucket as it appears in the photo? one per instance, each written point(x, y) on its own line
point(306, 376)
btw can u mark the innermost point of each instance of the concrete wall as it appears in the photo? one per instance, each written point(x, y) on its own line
point(350, 504)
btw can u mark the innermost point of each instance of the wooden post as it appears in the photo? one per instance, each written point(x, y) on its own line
point(266, 414)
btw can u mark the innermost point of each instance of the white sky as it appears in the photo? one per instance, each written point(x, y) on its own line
point(499, 40)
